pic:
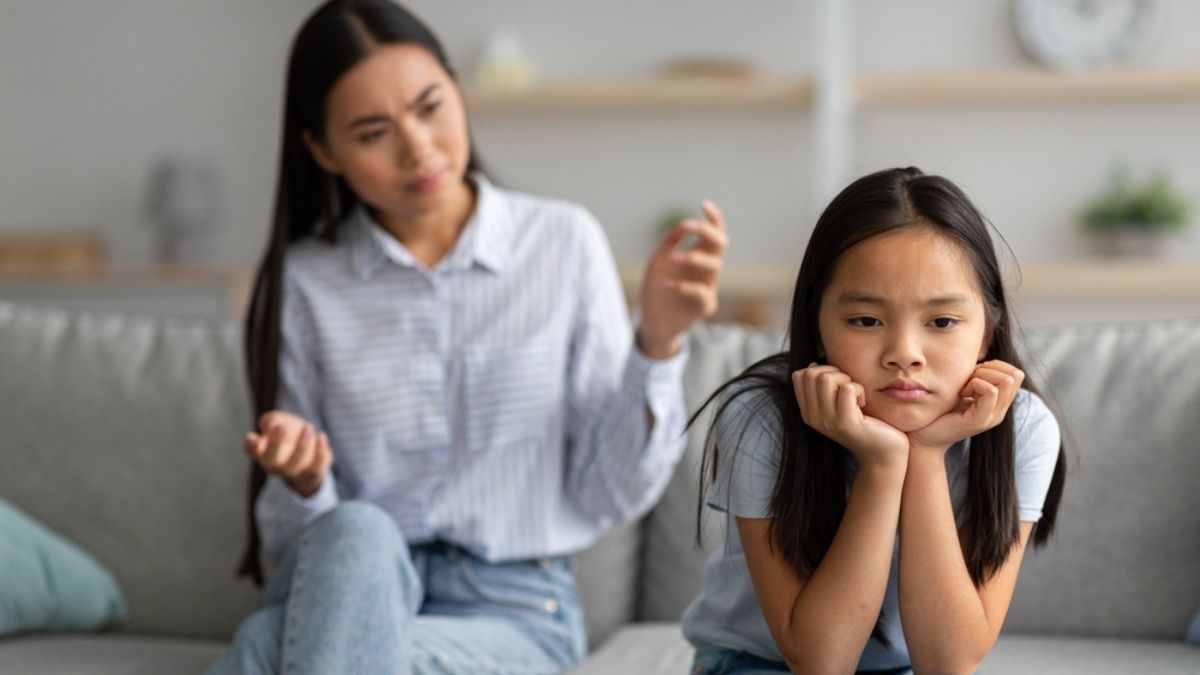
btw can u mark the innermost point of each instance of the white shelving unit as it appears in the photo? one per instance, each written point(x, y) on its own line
point(831, 97)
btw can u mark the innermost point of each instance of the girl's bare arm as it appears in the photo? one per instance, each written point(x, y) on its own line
point(823, 624)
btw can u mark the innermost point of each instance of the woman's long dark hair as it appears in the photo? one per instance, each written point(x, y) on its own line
point(309, 201)
point(809, 497)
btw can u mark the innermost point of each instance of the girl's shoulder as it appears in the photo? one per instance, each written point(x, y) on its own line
point(1036, 428)
point(1031, 411)
point(753, 402)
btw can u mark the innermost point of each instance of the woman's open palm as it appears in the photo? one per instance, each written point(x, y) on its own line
point(290, 447)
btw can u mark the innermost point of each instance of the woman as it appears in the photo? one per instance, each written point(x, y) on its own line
point(451, 399)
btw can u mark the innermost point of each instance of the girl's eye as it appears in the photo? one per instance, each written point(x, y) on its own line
point(944, 322)
point(864, 322)
point(431, 107)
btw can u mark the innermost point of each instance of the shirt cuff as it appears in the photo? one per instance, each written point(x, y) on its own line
point(655, 380)
point(319, 502)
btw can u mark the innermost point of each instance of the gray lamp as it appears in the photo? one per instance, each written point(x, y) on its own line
point(185, 200)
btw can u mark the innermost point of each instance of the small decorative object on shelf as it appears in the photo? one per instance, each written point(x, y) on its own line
point(185, 201)
point(504, 64)
point(1129, 220)
point(1083, 34)
point(704, 67)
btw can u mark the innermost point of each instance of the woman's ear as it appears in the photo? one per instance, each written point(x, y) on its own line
point(320, 153)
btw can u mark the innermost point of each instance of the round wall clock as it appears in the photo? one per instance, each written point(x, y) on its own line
point(1079, 34)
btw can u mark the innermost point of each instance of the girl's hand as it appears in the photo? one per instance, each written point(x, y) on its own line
point(985, 400)
point(680, 286)
point(289, 447)
point(832, 404)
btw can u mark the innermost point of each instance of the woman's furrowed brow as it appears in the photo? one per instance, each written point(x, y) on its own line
point(425, 93)
point(367, 120)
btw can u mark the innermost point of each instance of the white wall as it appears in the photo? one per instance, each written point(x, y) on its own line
point(90, 93)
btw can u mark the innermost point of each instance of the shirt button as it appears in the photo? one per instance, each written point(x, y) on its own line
point(551, 605)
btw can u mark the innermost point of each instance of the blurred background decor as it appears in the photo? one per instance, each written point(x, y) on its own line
point(185, 201)
point(503, 63)
point(1131, 219)
point(1084, 34)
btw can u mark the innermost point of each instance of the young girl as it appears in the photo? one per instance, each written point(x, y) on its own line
point(451, 398)
point(882, 477)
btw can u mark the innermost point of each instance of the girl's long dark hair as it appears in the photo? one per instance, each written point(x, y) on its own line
point(309, 201)
point(809, 496)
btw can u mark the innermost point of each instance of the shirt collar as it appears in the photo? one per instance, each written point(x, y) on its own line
point(486, 239)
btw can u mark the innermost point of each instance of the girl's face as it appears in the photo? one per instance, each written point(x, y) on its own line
point(903, 316)
point(396, 130)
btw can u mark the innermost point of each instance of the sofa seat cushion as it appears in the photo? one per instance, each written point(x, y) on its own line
point(1062, 655)
point(110, 654)
point(659, 649)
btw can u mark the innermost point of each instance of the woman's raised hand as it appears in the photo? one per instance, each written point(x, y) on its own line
point(680, 286)
point(831, 403)
point(986, 399)
point(288, 446)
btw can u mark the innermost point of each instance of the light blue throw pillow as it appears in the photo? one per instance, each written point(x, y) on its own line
point(49, 584)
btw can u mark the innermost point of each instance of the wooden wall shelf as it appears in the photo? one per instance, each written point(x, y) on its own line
point(1029, 86)
point(871, 89)
point(646, 94)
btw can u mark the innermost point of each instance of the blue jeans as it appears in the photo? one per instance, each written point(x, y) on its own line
point(351, 597)
point(712, 660)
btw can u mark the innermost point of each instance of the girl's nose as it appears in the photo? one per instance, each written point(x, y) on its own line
point(903, 351)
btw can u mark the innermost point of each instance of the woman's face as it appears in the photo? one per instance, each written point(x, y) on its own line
point(903, 316)
point(396, 130)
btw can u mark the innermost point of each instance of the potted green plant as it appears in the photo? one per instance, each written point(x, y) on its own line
point(1129, 219)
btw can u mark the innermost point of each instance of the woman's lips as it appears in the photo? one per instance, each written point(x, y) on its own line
point(905, 390)
point(426, 184)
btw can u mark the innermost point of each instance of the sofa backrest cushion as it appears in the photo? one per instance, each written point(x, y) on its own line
point(672, 565)
point(1125, 557)
point(123, 435)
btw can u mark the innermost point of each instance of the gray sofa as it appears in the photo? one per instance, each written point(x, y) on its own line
point(122, 433)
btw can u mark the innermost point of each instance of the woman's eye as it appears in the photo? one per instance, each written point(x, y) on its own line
point(944, 322)
point(864, 321)
point(431, 107)
point(370, 136)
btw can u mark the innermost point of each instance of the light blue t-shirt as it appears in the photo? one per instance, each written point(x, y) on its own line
point(727, 614)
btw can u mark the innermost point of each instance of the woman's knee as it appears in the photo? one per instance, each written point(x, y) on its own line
point(356, 527)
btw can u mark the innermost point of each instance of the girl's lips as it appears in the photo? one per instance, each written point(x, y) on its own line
point(905, 394)
point(426, 184)
point(905, 390)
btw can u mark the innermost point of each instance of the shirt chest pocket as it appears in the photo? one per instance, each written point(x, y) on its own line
point(512, 393)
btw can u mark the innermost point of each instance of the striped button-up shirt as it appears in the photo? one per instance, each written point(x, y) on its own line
point(496, 401)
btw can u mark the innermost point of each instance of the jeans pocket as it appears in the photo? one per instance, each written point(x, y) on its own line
point(512, 585)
